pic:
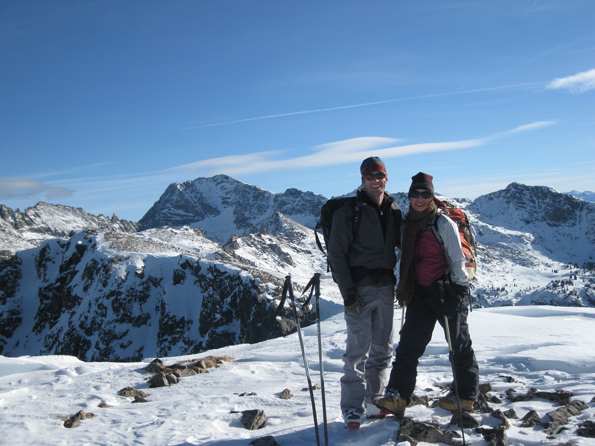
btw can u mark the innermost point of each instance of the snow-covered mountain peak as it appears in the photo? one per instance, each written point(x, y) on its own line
point(222, 206)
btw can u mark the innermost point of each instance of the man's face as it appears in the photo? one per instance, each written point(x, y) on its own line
point(375, 182)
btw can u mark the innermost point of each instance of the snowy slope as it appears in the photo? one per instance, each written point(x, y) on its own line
point(517, 348)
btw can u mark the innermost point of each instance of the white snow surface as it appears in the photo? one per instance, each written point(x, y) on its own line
point(539, 346)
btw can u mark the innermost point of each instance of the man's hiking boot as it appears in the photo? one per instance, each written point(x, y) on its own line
point(352, 418)
point(373, 411)
point(450, 403)
point(393, 402)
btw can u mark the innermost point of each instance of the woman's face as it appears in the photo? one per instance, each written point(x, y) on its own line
point(420, 203)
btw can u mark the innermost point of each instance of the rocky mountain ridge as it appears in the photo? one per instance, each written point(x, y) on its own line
point(44, 221)
point(117, 294)
point(222, 206)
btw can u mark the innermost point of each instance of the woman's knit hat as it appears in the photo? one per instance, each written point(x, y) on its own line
point(422, 181)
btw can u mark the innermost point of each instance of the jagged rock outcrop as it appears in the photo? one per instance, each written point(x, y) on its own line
point(44, 221)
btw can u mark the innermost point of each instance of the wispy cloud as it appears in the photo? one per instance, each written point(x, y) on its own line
point(336, 153)
point(13, 188)
point(532, 126)
point(328, 155)
point(365, 104)
point(578, 83)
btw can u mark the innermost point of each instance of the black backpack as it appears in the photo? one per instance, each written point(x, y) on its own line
point(326, 221)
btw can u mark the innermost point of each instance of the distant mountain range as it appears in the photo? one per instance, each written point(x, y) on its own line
point(587, 195)
point(205, 267)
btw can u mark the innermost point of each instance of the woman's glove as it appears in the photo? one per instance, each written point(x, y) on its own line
point(454, 295)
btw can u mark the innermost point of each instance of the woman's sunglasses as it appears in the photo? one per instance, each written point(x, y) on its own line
point(416, 194)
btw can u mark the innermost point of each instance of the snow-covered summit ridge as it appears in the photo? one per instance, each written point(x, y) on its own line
point(559, 225)
point(44, 221)
point(222, 206)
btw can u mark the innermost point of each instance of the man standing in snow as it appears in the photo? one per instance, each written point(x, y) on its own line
point(363, 267)
point(433, 285)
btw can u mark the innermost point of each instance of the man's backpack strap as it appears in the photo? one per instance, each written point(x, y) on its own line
point(324, 224)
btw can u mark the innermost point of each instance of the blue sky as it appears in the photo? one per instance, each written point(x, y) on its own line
point(105, 103)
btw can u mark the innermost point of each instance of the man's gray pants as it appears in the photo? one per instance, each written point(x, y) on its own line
point(369, 349)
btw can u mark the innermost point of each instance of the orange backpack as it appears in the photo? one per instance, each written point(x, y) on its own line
point(466, 234)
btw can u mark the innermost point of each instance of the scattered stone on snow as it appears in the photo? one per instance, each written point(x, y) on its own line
point(285, 395)
point(166, 375)
point(172, 378)
point(140, 399)
point(415, 431)
point(531, 419)
point(253, 419)
point(417, 401)
point(265, 441)
point(246, 394)
point(469, 422)
point(482, 405)
point(131, 392)
point(158, 380)
point(511, 414)
point(586, 429)
point(562, 414)
point(74, 421)
point(559, 396)
point(156, 366)
point(104, 405)
point(509, 379)
point(314, 387)
point(484, 388)
point(494, 437)
point(500, 415)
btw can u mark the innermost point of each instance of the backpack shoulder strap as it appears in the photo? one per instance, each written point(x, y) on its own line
point(357, 216)
point(434, 226)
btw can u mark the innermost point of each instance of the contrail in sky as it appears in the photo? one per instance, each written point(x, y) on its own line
point(357, 105)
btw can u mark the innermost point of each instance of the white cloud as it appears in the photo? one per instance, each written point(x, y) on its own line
point(579, 83)
point(12, 188)
point(532, 126)
point(336, 153)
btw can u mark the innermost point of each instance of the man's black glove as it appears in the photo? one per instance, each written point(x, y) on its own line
point(454, 295)
point(353, 303)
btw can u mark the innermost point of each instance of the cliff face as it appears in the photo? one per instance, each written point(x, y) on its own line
point(82, 298)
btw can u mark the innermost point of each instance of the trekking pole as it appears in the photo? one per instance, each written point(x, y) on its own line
point(289, 288)
point(315, 284)
point(454, 376)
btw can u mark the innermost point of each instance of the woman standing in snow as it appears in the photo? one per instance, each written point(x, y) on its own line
point(433, 284)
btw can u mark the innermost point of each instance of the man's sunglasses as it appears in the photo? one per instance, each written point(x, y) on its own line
point(416, 194)
point(377, 176)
